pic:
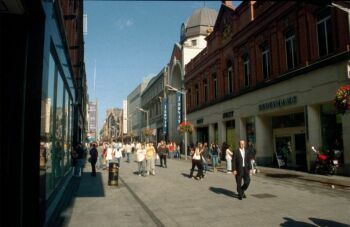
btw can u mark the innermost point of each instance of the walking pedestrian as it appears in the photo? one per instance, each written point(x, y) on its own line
point(178, 150)
point(150, 156)
point(205, 158)
point(252, 153)
point(141, 159)
point(93, 159)
point(242, 169)
point(214, 156)
point(128, 149)
point(229, 159)
point(118, 155)
point(78, 170)
point(197, 161)
point(110, 154)
point(162, 152)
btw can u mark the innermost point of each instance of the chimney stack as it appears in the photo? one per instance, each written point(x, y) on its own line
point(227, 3)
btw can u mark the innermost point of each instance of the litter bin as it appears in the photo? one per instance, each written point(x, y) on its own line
point(113, 174)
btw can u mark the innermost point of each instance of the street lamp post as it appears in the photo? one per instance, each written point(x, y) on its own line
point(147, 115)
point(183, 92)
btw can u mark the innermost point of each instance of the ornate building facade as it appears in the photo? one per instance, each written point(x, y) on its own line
point(269, 75)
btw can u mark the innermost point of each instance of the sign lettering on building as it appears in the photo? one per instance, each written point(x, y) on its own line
point(178, 107)
point(165, 116)
point(278, 103)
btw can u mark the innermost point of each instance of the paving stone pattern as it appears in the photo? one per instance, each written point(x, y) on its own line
point(170, 198)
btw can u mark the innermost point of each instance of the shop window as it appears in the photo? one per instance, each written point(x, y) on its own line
point(59, 129)
point(287, 121)
point(290, 49)
point(324, 33)
point(246, 70)
point(47, 126)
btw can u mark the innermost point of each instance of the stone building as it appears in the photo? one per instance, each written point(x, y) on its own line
point(192, 41)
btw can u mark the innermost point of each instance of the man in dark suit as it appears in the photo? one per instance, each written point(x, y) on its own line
point(241, 166)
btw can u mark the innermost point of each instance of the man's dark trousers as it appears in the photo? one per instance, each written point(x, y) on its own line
point(245, 175)
point(163, 157)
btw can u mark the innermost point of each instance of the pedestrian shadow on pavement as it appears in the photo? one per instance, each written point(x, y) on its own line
point(289, 222)
point(224, 192)
point(323, 222)
point(91, 186)
point(188, 175)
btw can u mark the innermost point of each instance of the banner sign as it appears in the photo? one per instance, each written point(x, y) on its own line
point(178, 107)
point(165, 116)
point(92, 117)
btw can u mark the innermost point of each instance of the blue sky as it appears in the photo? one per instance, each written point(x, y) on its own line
point(130, 40)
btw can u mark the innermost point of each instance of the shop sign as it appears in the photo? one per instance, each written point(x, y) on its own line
point(227, 114)
point(278, 103)
point(165, 116)
point(178, 107)
point(200, 121)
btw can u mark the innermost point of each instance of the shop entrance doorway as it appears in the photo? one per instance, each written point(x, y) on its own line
point(290, 145)
point(202, 135)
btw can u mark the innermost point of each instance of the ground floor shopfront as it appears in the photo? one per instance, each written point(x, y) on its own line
point(294, 114)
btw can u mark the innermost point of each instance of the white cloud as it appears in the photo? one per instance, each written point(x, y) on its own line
point(124, 23)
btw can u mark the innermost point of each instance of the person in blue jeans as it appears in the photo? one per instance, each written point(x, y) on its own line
point(79, 151)
point(205, 155)
point(214, 156)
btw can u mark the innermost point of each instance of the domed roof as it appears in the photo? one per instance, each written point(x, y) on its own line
point(199, 22)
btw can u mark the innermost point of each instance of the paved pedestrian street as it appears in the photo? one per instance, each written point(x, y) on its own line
point(170, 198)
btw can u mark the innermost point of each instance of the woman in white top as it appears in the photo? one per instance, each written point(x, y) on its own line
point(109, 156)
point(117, 154)
point(229, 159)
point(141, 159)
point(197, 161)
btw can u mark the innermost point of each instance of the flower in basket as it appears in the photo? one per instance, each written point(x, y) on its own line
point(148, 132)
point(342, 99)
point(185, 127)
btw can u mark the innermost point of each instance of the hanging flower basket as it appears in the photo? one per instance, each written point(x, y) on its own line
point(342, 99)
point(148, 132)
point(185, 127)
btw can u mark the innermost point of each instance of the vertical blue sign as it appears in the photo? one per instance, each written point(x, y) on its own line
point(165, 116)
point(178, 107)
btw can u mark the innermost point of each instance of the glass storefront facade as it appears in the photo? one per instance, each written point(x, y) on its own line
point(56, 127)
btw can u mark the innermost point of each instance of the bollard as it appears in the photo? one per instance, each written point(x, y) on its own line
point(113, 174)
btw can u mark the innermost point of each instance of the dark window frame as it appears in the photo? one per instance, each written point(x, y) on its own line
point(325, 44)
point(246, 70)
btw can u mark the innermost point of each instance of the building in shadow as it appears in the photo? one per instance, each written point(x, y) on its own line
point(43, 99)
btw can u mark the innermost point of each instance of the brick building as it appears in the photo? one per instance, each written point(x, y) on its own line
point(269, 75)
